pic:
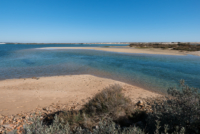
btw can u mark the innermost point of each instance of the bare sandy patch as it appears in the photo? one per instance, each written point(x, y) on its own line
point(24, 95)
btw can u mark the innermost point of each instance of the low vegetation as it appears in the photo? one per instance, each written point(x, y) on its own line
point(110, 112)
point(173, 46)
point(179, 110)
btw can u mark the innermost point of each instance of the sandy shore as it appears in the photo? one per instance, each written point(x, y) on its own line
point(24, 95)
point(126, 49)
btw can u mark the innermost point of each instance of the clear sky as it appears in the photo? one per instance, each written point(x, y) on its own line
point(99, 20)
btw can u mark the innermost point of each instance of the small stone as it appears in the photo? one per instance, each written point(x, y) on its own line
point(140, 103)
point(10, 121)
point(58, 107)
point(1, 131)
point(2, 122)
point(17, 118)
point(14, 127)
point(11, 117)
point(73, 107)
point(35, 78)
point(8, 126)
point(19, 128)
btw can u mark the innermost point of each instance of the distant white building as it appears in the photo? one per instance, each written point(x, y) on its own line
point(2, 43)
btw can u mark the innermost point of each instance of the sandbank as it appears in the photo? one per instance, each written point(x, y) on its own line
point(127, 49)
point(25, 95)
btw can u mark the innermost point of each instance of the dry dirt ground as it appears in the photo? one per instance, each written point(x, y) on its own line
point(24, 95)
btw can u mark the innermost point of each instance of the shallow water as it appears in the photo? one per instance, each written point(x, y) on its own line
point(155, 72)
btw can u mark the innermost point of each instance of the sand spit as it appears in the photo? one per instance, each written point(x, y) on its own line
point(126, 49)
point(24, 95)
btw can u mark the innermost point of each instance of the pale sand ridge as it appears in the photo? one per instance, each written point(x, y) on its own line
point(126, 49)
point(24, 95)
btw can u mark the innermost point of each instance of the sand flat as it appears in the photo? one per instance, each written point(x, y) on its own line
point(126, 49)
point(24, 95)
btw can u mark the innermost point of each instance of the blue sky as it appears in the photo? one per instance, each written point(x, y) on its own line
point(99, 20)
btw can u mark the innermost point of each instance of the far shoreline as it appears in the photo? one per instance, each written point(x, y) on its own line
point(127, 49)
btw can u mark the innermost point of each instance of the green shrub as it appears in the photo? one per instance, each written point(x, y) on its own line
point(103, 127)
point(73, 118)
point(37, 127)
point(111, 101)
point(179, 110)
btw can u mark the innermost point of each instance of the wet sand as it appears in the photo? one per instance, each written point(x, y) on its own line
point(127, 49)
point(24, 95)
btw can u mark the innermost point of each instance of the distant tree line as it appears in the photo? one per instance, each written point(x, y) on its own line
point(172, 45)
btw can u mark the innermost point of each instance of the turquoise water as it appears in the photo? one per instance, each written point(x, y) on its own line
point(154, 72)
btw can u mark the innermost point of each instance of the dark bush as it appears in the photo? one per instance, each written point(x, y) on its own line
point(179, 110)
point(178, 46)
point(110, 100)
